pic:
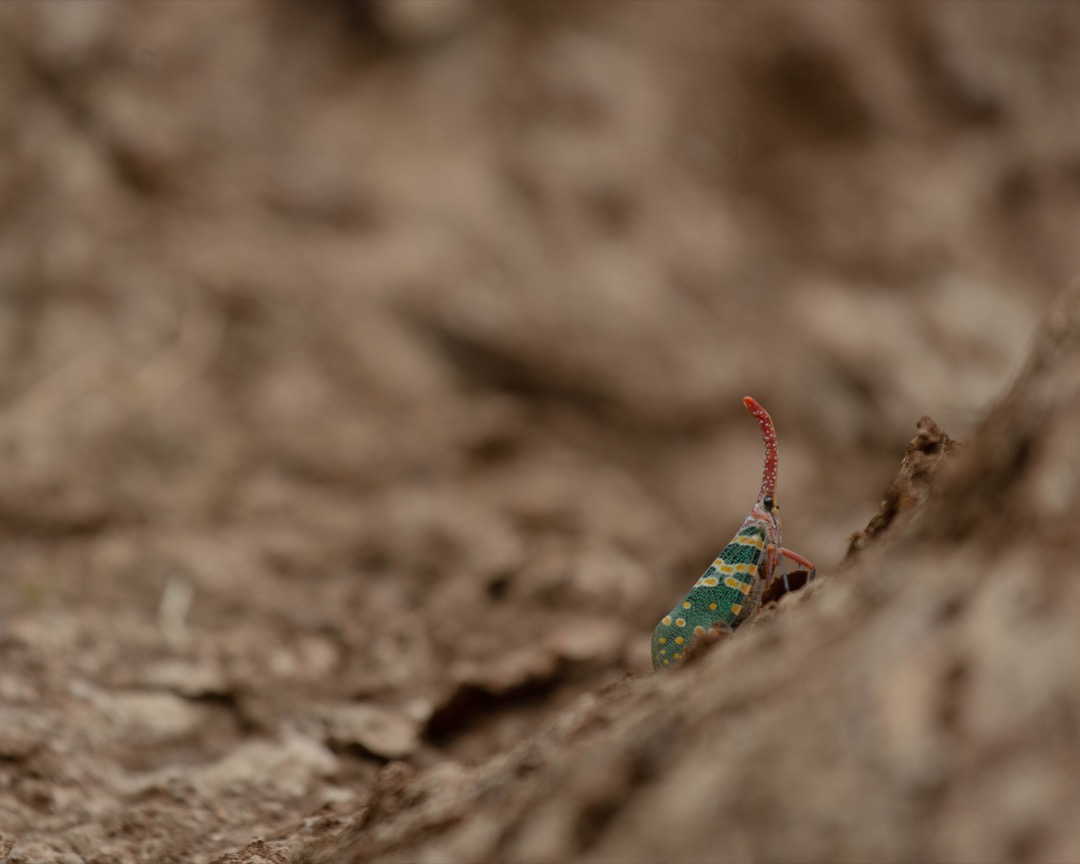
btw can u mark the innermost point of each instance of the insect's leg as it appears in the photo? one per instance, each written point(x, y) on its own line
point(774, 556)
point(798, 559)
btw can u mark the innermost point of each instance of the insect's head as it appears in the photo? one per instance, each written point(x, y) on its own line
point(768, 471)
point(768, 511)
point(772, 509)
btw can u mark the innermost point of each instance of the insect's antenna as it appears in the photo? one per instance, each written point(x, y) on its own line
point(768, 435)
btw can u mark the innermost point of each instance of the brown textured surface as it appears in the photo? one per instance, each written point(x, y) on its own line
point(925, 454)
point(370, 386)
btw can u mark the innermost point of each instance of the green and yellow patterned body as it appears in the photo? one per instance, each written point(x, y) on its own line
point(730, 590)
point(724, 595)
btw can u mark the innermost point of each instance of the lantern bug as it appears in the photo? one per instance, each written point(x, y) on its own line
point(730, 590)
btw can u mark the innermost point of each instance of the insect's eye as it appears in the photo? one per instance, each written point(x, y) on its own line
point(767, 503)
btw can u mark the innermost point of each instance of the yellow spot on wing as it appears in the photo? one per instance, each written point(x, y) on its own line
point(686, 604)
point(711, 581)
point(681, 622)
point(667, 662)
point(667, 620)
point(727, 569)
point(712, 606)
point(663, 641)
point(699, 629)
point(678, 640)
point(736, 608)
point(756, 542)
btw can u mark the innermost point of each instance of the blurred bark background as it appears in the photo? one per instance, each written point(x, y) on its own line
point(371, 386)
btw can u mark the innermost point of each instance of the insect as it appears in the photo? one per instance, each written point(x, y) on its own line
point(730, 590)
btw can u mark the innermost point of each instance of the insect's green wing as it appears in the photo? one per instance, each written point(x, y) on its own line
point(720, 595)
